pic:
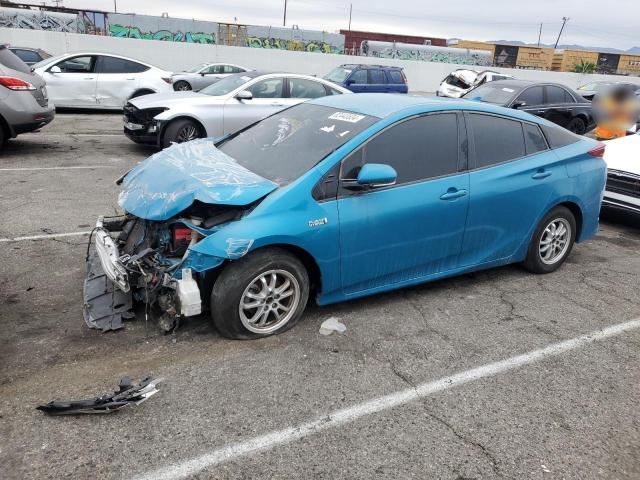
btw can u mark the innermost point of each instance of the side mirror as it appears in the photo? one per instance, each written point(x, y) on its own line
point(349, 82)
point(376, 175)
point(244, 95)
point(518, 105)
point(55, 69)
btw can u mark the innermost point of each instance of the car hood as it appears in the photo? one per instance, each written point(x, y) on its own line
point(622, 154)
point(167, 99)
point(168, 182)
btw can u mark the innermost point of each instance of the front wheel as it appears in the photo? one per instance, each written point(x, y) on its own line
point(182, 86)
point(262, 294)
point(552, 241)
point(577, 126)
point(180, 131)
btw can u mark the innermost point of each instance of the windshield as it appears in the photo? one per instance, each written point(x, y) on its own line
point(197, 68)
point(594, 86)
point(226, 85)
point(48, 61)
point(284, 146)
point(338, 75)
point(492, 93)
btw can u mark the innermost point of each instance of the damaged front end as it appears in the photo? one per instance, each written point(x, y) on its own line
point(173, 200)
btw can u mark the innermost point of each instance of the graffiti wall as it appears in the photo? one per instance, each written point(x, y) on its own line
point(166, 29)
point(294, 39)
point(425, 53)
point(38, 20)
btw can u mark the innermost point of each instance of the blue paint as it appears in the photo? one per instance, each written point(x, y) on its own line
point(378, 239)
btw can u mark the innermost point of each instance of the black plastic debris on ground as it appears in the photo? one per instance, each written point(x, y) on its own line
point(105, 305)
point(127, 394)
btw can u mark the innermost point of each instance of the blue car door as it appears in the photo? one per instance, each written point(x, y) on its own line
point(397, 234)
point(358, 82)
point(378, 81)
point(513, 176)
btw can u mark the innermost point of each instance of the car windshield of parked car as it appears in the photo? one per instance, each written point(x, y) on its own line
point(284, 146)
point(597, 86)
point(338, 75)
point(492, 93)
point(226, 85)
point(12, 61)
point(49, 61)
point(196, 69)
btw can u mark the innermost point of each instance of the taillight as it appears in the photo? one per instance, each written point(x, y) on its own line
point(404, 77)
point(168, 80)
point(598, 151)
point(13, 83)
point(181, 235)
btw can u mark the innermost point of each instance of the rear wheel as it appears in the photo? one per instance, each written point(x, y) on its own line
point(262, 294)
point(182, 86)
point(577, 125)
point(180, 131)
point(552, 241)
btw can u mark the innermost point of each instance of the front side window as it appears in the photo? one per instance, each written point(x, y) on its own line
point(377, 76)
point(496, 139)
point(269, 88)
point(119, 65)
point(531, 96)
point(338, 75)
point(77, 65)
point(284, 146)
point(360, 77)
point(303, 88)
point(418, 149)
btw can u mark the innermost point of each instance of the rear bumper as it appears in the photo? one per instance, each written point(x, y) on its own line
point(619, 201)
point(39, 121)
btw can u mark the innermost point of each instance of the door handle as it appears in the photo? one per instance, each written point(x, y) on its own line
point(540, 112)
point(89, 78)
point(276, 104)
point(452, 194)
point(540, 175)
point(130, 78)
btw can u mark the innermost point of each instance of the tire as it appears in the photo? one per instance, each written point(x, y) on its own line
point(180, 131)
point(549, 234)
point(577, 126)
point(240, 283)
point(182, 86)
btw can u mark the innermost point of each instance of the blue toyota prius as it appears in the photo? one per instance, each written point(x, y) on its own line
point(337, 198)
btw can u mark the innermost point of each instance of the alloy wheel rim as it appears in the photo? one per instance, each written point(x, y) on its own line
point(183, 87)
point(554, 241)
point(187, 133)
point(269, 301)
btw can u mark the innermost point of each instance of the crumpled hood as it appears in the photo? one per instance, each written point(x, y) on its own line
point(168, 182)
point(467, 76)
point(155, 100)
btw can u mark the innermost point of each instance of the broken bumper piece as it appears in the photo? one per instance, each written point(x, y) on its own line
point(127, 394)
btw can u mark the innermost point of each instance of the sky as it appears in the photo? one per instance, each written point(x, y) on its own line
point(610, 23)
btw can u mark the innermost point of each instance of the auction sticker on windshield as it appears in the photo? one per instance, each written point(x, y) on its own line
point(346, 117)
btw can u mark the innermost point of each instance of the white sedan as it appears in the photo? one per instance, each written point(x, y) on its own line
point(219, 109)
point(623, 174)
point(99, 80)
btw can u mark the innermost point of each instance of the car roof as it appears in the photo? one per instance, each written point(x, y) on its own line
point(385, 104)
point(368, 65)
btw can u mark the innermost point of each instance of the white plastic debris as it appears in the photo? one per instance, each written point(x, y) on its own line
point(331, 325)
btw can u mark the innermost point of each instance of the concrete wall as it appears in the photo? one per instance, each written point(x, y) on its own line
point(422, 76)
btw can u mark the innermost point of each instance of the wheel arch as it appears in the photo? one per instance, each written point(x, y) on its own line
point(168, 122)
point(576, 210)
point(142, 91)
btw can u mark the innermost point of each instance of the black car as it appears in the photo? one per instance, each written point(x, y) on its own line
point(30, 56)
point(554, 102)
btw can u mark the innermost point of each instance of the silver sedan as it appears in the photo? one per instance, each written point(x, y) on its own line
point(220, 109)
point(204, 75)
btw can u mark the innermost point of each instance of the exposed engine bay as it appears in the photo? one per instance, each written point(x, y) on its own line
point(138, 261)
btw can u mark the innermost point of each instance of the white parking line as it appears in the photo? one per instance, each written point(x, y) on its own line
point(337, 418)
point(37, 134)
point(77, 167)
point(43, 237)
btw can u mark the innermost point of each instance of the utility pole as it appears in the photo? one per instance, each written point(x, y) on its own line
point(350, 12)
point(115, 6)
point(564, 21)
point(539, 33)
point(284, 20)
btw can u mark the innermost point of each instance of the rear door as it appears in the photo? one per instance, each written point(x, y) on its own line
point(400, 233)
point(396, 81)
point(269, 97)
point(118, 79)
point(513, 174)
point(75, 85)
point(560, 105)
point(378, 81)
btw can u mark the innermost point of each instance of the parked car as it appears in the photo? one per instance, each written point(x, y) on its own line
point(204, 75)
point(589, 90)
point(369, 78)
point(24, 104)
point(219, 109)
point(460, 81)
point(99, 80)
point(623, 174)
point(341, 197)
point(30, 56)
point(554, 102)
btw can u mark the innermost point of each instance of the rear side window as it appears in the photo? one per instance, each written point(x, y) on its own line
point(9, 60)
point(418, 149)
point(556, 95)
point(303, 88)
point(533, 139)
point(559, 137)
point(27, 55)
point(119, 65)
point(496, 139)
point(395, 76)
point(377, 76)
point(531, 96)
point(359, 76)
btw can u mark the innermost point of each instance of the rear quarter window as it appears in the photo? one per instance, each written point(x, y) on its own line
point(496, 139)
point(395, 76)
point(559, 137)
